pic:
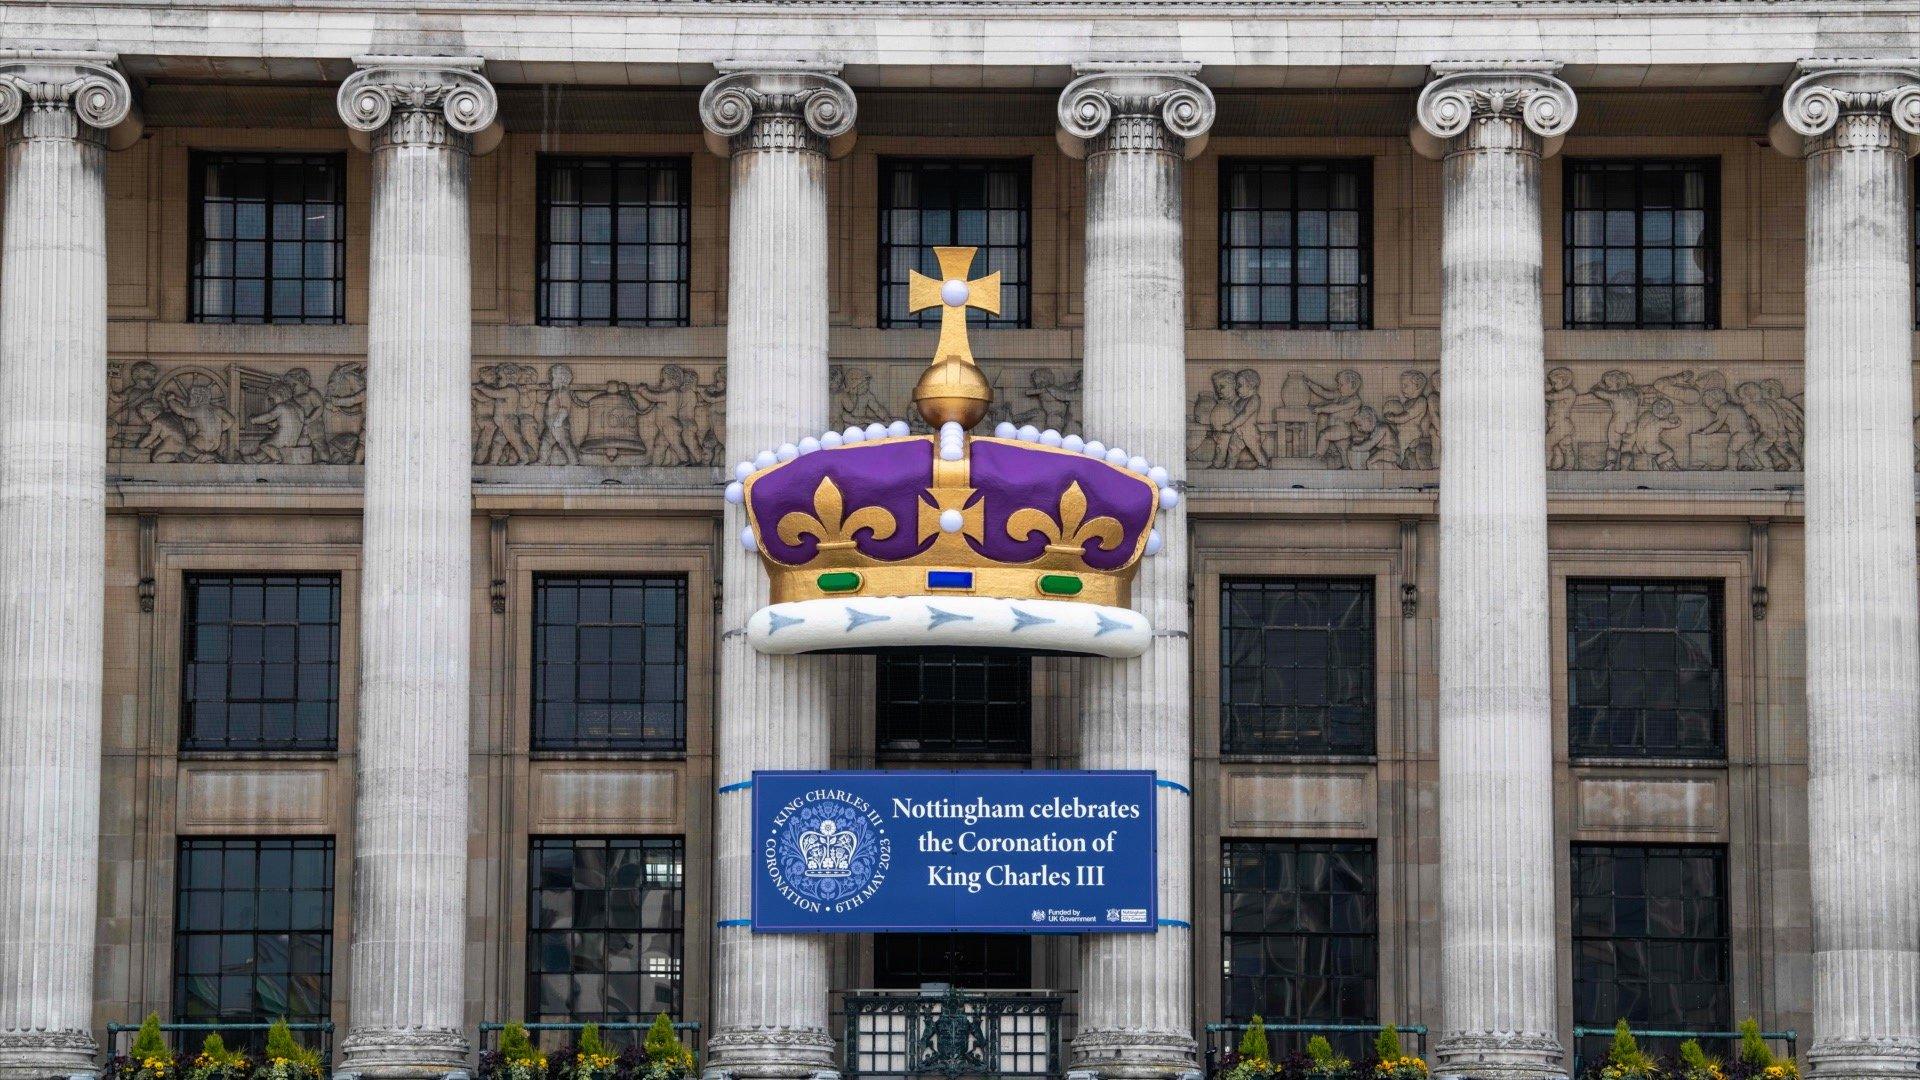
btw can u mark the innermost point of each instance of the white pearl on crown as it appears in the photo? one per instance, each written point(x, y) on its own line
point(1095, 449)
point(853, 435)
point(876, 430)
point(765, 458)
point(1169, 498)
point(1073, 444)
point(736, 493)
point(747, 541)
point(787, 452)
point(951, 521)
point(1154, 543)
point(829, 440)
point(1004, 430)
point(809, 444)
point(1050, 437)
point(1159, 475)
point(953, 292)
point(898, 429)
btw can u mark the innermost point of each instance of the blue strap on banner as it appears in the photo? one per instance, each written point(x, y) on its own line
point(1175, 785)
point(734, 922)
point(741, 786)
point(1176, 923)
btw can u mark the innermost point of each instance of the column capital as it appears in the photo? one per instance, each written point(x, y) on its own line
point(67, 95)
point(420, 100)
point(1464, 96)
point(1104, 107)
point(766, 106)
point(1849, 104)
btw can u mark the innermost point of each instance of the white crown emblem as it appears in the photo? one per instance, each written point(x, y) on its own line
point(828, 851)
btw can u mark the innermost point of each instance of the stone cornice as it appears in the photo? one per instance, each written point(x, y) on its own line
point(402, 100)
point(1461, 94)
point(67, 95)
point(784, 106)
point(1141, 106)
point(1846, 103)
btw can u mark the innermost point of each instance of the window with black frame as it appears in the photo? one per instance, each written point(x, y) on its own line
point(267, 234)
point(954, 701)
point(1646, 668)
point(610, 662)
point(253, 932)
point(1297, 666)
point(1301, 936)
point(261, 666)
point(614, 241)
point(1650, 941)
point(1641, 243)
point(606, 924)
point(1296, 243)
point(969, 961)
point(980, 203)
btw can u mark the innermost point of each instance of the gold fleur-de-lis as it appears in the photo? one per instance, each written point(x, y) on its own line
point(830, 524)
point(1067, 537)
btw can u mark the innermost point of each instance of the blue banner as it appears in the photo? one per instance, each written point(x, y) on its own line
point(1001, 852)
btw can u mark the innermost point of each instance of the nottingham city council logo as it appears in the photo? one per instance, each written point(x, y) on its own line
point(827, 851)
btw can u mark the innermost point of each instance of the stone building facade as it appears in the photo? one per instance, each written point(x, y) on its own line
point(357, 367)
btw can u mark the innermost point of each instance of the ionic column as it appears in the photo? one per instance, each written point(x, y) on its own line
point(408, 981)
point(1491, 124)
point(57, 110)
point(1135, 127)
point(777, 125)
point(1856, 125)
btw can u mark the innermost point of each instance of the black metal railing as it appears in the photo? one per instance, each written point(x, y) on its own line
point(615, 1033)
point(944, 1031)
point(1592, 1042)
point(1351, 1040)
point(238, 1035)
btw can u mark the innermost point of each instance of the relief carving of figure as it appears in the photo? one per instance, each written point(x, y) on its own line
point(209, 420)
point(1335, 407)
point(1561, 397)
point(1616, 390)
point(1053, 399)
point(1229, 416)
point(1414, 417)
point(127, 390)
point(557, 437)
point(854, 402)
point(498, 430)
point(709, 414)
point(287, 441)
point(165, 436)
point(1375, 445)
point(343, 414)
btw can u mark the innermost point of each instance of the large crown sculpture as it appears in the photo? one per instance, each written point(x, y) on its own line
point(878, 538)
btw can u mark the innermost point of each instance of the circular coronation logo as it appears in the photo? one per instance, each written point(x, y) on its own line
point(827, 851)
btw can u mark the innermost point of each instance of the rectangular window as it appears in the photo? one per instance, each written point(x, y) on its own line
point(955, 701)
point(969, 961)
point(614, 241)
point(1296, 666)
point(1645, 669)
point(253, 932)
point(1296, 244)
point(609, 662)
point(1300, 922)
point(1650, 940)
point(1641, 244)
point(606, 918)
point(262, 662)
point(975, 203)
point(268, 238)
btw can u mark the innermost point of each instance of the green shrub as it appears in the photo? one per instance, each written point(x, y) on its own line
point(149, 1043)
point(1253, 1041)
point(1386, 1045)
point(281, 1044)
point(1753, 1048)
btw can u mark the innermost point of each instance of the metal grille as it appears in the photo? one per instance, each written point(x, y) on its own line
point(253, 931)
point(614, 241)
point(1301, 932)
point(973, 961)
point(953, 1033)
point(1642, 244)
point(1650, 939)
point(972, 203)
point(955, 701)
point(1296, 244)
point(268, 238)
point(262, 668)
point(1645, 672)
point(609, 663)
point(1297, 666)
point(605, 926)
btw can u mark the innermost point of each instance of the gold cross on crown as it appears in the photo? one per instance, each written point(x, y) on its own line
point(952, 388)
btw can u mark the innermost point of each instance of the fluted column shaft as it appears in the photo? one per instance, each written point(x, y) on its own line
point(1497, 852)
point(1863, 615)
point(769, 990)
point(1135, 129)
point(53, 365)
point(410, 819)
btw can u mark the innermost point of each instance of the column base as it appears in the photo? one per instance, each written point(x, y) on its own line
point(43, 1055)
point(1134, 1055)
point(1869, 1059)
point(770, 1053)
point(1504, 1055)
point(403, 1054)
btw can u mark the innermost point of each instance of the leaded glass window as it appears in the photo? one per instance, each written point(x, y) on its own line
point(268, 238)
point(1645, 669)
point(253, 931)
point(614, 241)
point(1650, 939)
point(609, 662)
point(1300, 920)
point(1296, 243)
point(955, 701)
point(1641, 244)
point(262, 662)
point(976, 203)
point(1297, 666)
point(606, 920)
point(971, 961)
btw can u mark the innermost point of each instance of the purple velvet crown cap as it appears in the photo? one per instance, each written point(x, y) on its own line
point(883, 484)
